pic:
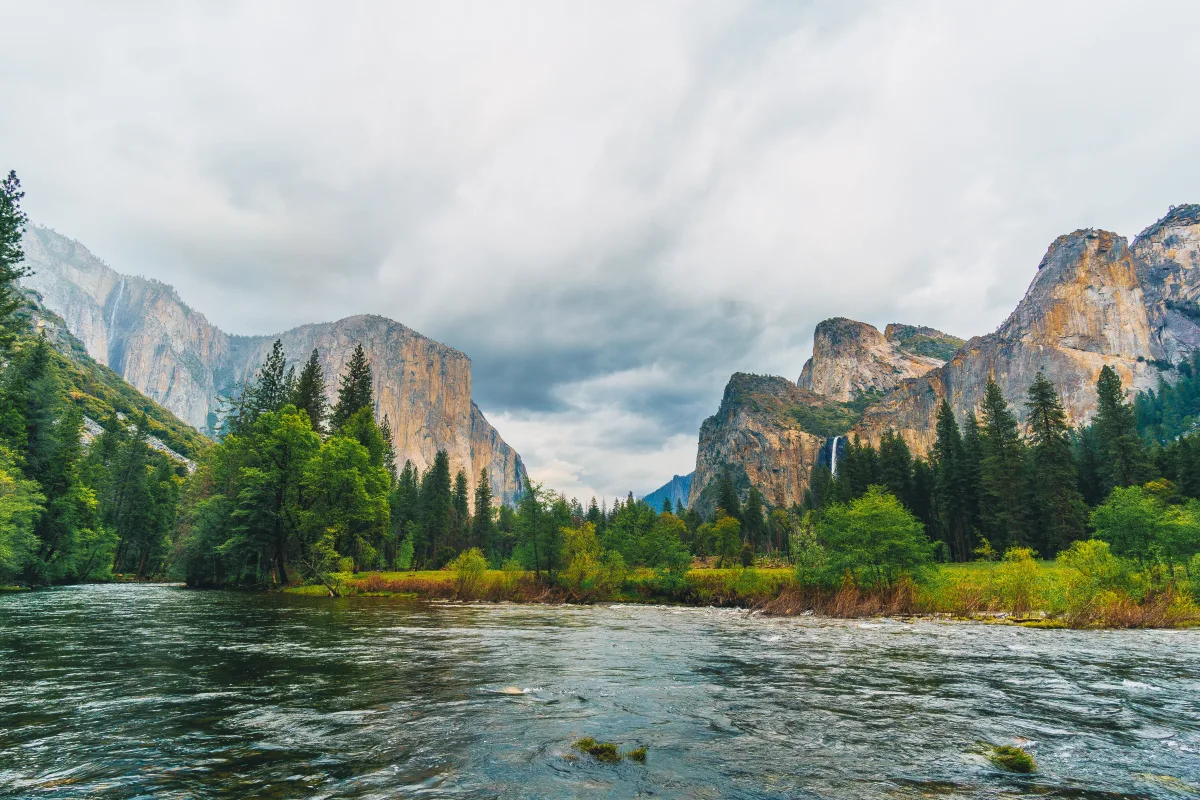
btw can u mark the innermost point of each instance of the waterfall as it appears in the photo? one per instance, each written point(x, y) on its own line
point(833, 457)
point(112, 318)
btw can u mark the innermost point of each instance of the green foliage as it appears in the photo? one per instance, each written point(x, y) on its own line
point(590, 572)
point(874, 539)
point(1058, 509)
point(21, 505)
point(308, 393)
point(1137, 523)
point(1174, 408)
point(356, 390)
point(12, 226)
point(832, 418)
point(919, 342)
point(469, 568)
point(1019, 581)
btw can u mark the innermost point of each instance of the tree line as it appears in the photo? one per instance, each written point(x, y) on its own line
point(68, 513)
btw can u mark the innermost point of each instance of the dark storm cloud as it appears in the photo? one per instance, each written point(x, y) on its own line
point(612, 207)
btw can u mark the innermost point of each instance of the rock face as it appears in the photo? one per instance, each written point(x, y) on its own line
point(143, 331)
point(756, 431)
point(852, 358)
point(1095, 301)
point(676, 490)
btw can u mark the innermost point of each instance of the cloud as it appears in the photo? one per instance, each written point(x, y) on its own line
point(609, 208)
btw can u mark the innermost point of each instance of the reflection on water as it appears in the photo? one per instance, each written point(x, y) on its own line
point(140, 691)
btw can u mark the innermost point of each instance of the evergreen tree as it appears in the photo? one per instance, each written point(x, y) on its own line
point(895, 467)
point(356, 390)
point(461, 500)
point(1002, 473)
point(1059, 510)
point(753, 525)
point(972, 476)
point(12, 226)
point(483, 526)
point(274, 386)
point(1122, 453)
point(949, 485)
point(436, 511)
point(389, 447)
point(309, 392)
point(727, 499)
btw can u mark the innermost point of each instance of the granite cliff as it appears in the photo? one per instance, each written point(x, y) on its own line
point(1095, 300)
point(144, 332)
point(852, 358)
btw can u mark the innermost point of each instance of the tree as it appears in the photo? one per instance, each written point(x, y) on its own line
point(727, 499)
point(1002, 473)
point(874, 538)
point(727, 539)
point(20, 506)
point(12, 227)
point(483, 526)
point(308, 395)
point(1058, 506)
point(461, 501)
point(1130, 521)
point(436, 511)
point(753, 524)
point(895, 467)
point(389, 447)
point(356, 390)
point(1123, 459)
point(275, 385)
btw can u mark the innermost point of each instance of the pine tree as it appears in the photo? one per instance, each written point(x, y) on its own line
point(356, 390)
point(949, 485)
point(483, 527)
point(309, 392)
point(727, 499)
point(389, 447)
point(972, 476)
point(436, 509)
point(895, 467)
point(274, 386)
point(12, 226)
point(1058, 509)
point(1123, 458)
point(753, 524)
point(1002, 473)
point(461, 500)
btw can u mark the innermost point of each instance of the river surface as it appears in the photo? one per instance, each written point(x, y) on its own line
point(157, 691)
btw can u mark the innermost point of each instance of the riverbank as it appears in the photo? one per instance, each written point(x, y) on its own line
point(1027, 593)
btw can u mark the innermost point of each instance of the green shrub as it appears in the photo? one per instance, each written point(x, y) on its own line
point(1018, 581)
point(470, 568)
point(875, 539)
point(637, 754)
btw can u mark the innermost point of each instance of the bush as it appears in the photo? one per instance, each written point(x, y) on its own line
point(345, 564)
point(470, 568)
point(747, 555)
point(590, 573)
point(875, 539)
point(404, 555)
point(1018, 580)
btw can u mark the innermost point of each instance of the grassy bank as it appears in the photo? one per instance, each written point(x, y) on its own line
point(1026, 592)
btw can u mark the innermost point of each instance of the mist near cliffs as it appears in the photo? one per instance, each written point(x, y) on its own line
point(610, 215)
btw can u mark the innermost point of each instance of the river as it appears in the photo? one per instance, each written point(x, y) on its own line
point(158, 691)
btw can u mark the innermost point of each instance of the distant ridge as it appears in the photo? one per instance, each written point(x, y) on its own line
point(676, 490)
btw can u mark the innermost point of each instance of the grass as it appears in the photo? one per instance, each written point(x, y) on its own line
point(1041, 594)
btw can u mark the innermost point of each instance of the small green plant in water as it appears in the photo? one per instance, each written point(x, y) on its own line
point(601, 751)
point(637, 754)
point(1013, 759)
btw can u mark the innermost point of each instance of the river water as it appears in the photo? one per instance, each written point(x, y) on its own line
point(157, 691)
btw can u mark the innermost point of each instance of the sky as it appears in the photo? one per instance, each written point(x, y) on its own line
point(610, 207)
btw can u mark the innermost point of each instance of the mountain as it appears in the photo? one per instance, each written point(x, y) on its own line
point(676, 490)
point(1096, 300)
point(853, 358)
point(144, 332)
point(100, 393)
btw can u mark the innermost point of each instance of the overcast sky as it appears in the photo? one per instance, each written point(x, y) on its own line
point(609, 206)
